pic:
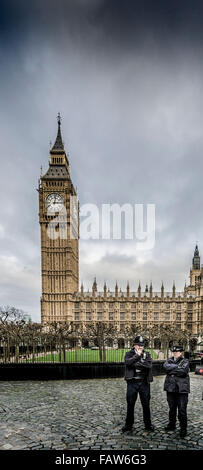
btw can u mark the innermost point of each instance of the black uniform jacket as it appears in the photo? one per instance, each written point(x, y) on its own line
point(177, 379)
point(132, 361)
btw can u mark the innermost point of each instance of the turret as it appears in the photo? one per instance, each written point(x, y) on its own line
point(195, 270)
point(139, 290)
point(94, 286)
point(162, 290)
point(150, 290)
point(105, 289)
point(185, 290)
point(57, 152)
point(196, 259)
point(116, 290)
point(174, 289)
point(128, 289)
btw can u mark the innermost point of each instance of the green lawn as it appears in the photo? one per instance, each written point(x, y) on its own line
point(87, 355)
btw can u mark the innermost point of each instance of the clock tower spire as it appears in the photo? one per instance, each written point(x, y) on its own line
point(59, 222)
point(58, 146)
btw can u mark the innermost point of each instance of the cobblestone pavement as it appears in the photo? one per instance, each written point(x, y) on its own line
point(89, 414)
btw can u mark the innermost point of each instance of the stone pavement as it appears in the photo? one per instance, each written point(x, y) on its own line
point(89, 414)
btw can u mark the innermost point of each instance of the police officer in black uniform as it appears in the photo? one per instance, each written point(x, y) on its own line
point(138, 375)
point(177, 386)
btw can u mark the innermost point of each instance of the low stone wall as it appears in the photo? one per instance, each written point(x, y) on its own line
point(63, 371)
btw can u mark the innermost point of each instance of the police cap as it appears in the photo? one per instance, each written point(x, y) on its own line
point(139, 340)
point(176, 348)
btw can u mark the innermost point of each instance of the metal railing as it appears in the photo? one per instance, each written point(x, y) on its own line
point(61, 354)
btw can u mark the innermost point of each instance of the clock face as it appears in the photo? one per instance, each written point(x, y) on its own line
point(54, 202)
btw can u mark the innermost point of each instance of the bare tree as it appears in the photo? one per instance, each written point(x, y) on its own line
point(59, 335)
point(132, 330)
point(170, 334)
point(101, 332)
point(12, 322)
point(32, 335)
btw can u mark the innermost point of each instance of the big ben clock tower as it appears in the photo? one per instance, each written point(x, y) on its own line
point(59, 222)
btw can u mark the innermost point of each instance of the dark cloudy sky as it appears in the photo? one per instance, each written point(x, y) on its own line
point(127, 77)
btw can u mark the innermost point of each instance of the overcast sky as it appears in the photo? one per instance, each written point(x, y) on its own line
point(127, 78)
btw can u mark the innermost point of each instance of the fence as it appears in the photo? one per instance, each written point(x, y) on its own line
point(40, 354)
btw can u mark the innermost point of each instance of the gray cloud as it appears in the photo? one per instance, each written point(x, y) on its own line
point(131, 108)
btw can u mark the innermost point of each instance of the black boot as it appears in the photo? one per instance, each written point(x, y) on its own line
point(149, 428)
point(170, 427)
point(183, 432)
point(126, 428)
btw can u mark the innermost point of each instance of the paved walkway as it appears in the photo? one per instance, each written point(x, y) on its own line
point(89, 414)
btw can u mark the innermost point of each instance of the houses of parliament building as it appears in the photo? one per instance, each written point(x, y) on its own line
point(63, 300)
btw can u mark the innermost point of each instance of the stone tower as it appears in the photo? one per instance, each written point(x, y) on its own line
point(59, 223)
point(195, 270)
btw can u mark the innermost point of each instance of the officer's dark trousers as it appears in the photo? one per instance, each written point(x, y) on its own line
point(178, 401)
point(133, 388)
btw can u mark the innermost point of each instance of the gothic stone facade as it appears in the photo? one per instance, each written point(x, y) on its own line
point(62, 301)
